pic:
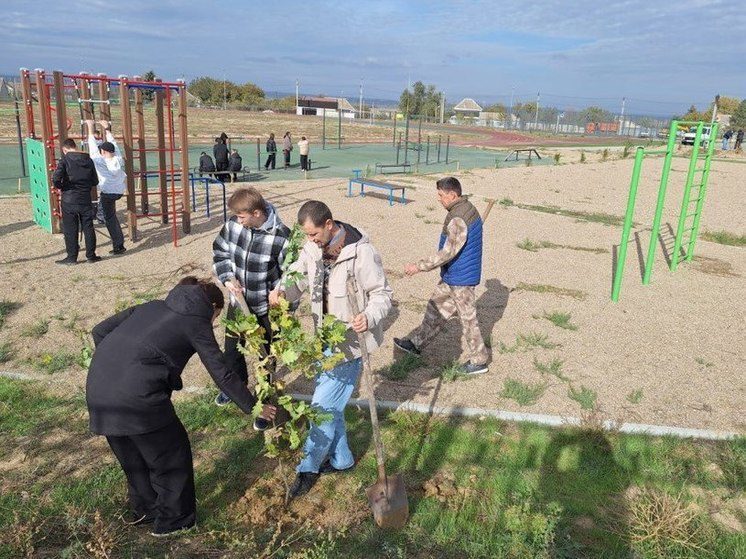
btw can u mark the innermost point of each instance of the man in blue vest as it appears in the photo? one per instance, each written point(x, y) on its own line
point(459, 257)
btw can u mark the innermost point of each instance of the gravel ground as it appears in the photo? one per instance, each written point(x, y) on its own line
point(673, 352)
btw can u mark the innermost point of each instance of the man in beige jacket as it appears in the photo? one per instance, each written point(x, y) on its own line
point(334, 252)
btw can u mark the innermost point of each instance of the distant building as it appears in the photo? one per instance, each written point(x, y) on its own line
point(331, 105)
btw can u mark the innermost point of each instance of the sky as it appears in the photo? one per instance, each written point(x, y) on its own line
point(660, 55)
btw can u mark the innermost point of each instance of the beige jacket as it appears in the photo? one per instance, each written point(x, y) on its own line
point(303, 147)
point(363, 262)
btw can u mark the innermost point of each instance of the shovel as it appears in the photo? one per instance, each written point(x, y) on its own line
point(387, 496)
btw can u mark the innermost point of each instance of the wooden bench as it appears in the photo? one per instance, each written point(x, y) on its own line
point(517, 152)
point(381, 167)
point(363, 182)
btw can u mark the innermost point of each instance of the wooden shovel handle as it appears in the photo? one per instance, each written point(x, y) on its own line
point(367, 380)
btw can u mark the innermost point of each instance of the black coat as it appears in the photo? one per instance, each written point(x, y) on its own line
point(235, 163)
point(140, 355)
point(205, 164)
point(271, 146)
point(75, 175)
point(220, 151)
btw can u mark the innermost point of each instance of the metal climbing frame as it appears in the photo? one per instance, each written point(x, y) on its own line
point(687, 214)
point(62, 90)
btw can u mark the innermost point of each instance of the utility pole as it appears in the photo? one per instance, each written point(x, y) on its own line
point(224, 90)
point(360, 107)
point(297, 85)
point(442, 106)
point(715, 108)
point(536, 117)
point(621, 117)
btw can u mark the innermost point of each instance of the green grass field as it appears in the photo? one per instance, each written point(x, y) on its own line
point(477, 488)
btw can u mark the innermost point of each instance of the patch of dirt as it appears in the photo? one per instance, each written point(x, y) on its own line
point(444, 487)
point(714, 267)
point(335, 503)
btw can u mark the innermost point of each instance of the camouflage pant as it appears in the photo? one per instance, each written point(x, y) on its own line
point(445, 302)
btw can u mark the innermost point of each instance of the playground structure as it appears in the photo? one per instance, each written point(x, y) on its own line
point(419, 146)
point(338, 138)
point(46, 100)
point(686, 211)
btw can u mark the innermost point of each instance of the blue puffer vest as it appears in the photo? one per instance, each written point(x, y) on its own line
point(466, 268)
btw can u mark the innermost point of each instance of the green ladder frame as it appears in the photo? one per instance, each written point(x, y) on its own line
point(686, 202)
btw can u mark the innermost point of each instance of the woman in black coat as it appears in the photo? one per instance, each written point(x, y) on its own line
point(140, 355)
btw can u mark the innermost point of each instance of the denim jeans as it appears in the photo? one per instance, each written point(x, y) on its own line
point(329, 439)
point(725, 143)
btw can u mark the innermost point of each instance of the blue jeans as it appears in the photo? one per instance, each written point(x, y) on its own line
point(329, 439)
point(725, 144)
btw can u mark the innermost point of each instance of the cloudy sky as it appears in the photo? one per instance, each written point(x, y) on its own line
point(661, 55)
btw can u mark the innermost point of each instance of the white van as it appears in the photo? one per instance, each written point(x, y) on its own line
point(688, 139)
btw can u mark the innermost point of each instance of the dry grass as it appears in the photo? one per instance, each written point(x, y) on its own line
point(544, 288)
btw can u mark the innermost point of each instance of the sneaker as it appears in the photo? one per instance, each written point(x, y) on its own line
point(172, 532)
point(222, 399)
point(94, 259)
point(137, 519)
point(472, 369)
point(119, 250)
point(303, 483)
point(327, 468)
point(66, 262)
point(406, 345)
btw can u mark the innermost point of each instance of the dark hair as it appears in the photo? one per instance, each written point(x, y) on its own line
point(449, 184)
point(211, 291)
point(203, 153)
point(315, 211)
point(69, 144)
point(218, 140)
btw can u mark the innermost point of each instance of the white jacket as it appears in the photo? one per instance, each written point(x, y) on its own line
point(111, 176)
point(303, 147)
point(362, 261)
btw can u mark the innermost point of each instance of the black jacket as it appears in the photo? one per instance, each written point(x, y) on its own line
point(140, 355)
point(271, 146)
point(235, 163)
point(220, 151)
point(206, 164)
point(75, 175)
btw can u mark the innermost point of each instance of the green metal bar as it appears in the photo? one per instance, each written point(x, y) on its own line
point(671, 146)
point(685, 199)
point(622, 256)
point(702, 192)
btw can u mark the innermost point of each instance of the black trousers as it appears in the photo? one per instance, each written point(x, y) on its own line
point(75, 216)
point(270, 160)
point(222, 166)
point(304, 162)
point(108, 205)
point(160, 475)
point(234, 359)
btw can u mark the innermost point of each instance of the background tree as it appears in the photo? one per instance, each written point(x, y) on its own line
point(738, 118)
point(422, 100)
point(148, 76)
point(596, 114)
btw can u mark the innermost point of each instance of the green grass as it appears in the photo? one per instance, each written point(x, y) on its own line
point(561, 320)
point(526, 394)
point(6, 352)
point(506, 202)
point(552, 289)
point(477, 489)
point(635, 397)
point(399, 370)
point(452, 372)
point(591, 217)
point(53, 362)
point(552, 367)
point(36, 330)
point(584, 396)
point(527, 342)
point(724, 238)
point(535, 246)
point(6, 308)
point(704, 362)
point(138, 298)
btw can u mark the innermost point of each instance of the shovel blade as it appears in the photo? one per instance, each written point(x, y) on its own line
point(388, 501)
